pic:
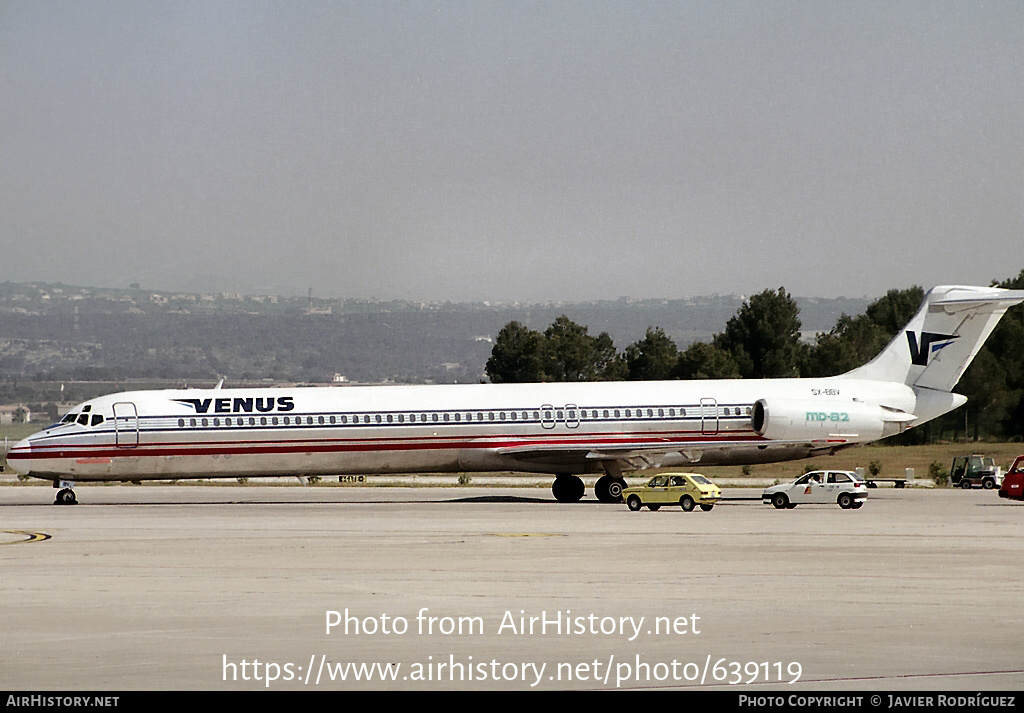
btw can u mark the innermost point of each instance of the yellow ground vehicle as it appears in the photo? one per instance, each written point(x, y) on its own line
point(683, 489)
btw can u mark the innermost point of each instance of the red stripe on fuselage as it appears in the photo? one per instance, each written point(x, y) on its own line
point(250, 447)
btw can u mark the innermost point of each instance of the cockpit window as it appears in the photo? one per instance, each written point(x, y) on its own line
point(96, 419)
point(69, 418)
point(83, 419)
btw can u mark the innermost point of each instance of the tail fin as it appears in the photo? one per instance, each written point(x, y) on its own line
point(936, 347)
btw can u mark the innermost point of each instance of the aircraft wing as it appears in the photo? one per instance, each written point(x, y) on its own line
point(642, 455)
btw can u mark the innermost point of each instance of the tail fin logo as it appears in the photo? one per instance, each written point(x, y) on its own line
point(930, 343)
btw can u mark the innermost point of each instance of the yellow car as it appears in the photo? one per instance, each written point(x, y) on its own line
point(684, 489)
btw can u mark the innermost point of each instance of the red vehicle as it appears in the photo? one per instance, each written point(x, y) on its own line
point(1013, 481)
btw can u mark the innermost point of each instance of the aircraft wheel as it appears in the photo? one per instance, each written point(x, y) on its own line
point(602, 489)
point(634, 503)
point(567, 488)
point(845, 501)
point(66, 497)
point(615, 489)
point(686, 503)
point(780, 501)
point(608, 489)
point(706, 507)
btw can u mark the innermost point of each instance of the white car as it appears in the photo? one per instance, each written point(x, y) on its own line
point(842, 487)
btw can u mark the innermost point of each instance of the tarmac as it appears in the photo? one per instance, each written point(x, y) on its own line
point(241, 588)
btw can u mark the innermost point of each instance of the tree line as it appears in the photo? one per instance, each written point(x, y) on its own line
point(762, 340)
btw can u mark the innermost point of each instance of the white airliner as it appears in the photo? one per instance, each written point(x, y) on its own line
point(564, 428)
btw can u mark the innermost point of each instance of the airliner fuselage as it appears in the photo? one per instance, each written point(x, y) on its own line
point(563, 428)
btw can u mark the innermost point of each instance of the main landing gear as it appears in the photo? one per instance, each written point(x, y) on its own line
point(569, 488)
point(66, 496)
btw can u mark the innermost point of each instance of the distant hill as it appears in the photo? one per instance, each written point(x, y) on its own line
point(65, 332)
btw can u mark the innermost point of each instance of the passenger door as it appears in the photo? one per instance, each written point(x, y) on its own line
point(709, 416)
point(807, 489)
point(660, 490)
point(126, 425)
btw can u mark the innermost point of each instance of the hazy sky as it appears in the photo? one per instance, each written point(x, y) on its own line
point(512, 150)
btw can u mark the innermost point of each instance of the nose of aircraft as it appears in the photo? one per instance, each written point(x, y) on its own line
point(16, 452)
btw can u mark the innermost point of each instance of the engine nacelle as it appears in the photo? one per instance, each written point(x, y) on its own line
point(819, 419)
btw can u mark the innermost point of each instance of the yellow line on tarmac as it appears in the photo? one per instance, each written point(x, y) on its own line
point(29, 537)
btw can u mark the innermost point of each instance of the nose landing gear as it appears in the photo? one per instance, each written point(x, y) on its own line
point(66, 496)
